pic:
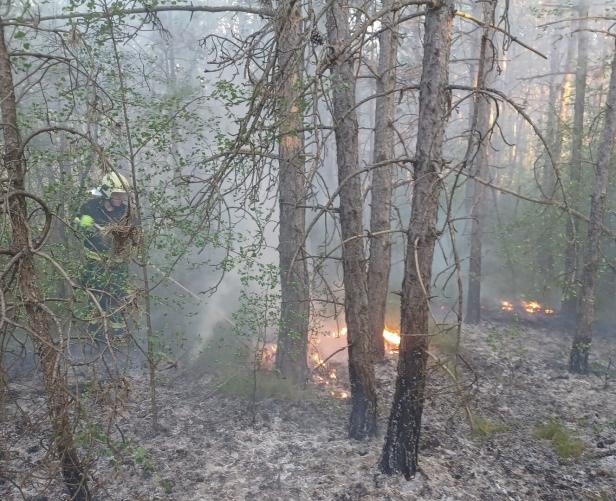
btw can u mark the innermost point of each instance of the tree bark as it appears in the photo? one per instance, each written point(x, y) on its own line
point(578, 361)
point(54, 379)
point(291, 354)
point(402, 441)
point(556, 113)
point(361, 370)
point(379, 263)
point(479, 149)
point(572, 270)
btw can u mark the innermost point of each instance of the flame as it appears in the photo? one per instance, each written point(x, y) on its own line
point(390, 334)
point(506, 306)
point(339, 333)
point(326, 375)
point(391, 337)
point(531, 306)
point(267, 356)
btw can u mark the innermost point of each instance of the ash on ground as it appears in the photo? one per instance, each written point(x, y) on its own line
point(540, 434)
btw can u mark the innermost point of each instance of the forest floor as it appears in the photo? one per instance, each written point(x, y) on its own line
point(540, 434)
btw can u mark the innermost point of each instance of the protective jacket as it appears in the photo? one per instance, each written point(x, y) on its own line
point(92, 221)
point(105, 274)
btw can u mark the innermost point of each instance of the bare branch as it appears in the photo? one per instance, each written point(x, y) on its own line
point(513, 38)
point(34, 21)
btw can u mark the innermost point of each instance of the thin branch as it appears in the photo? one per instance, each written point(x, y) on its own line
point(34, 21)
point(513, 38)
point(573, 19)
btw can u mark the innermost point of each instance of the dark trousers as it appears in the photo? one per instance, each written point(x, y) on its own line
point(107, 281)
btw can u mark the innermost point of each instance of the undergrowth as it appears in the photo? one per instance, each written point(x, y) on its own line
point(563, 442)
point(484, 427)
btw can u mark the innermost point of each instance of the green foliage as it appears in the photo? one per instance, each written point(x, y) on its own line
point(602, 427)
point(229, 92)
point(94, 438)
point(564, 444)
point(167, 484)
point(229, 358)
point(141, 457)
point(221, 353)
point(258, 313)
point(484, 427)
point(444, 338)
point(269, 385)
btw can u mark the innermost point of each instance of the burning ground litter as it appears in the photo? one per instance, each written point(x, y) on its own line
point(219, 445)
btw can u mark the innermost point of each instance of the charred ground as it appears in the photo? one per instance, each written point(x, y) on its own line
point(540, 433)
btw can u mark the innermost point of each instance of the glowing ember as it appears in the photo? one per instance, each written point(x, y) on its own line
point(528, 307)
point(332, 374)
point(531, 306)
point(391, 337)
point(506, 306)
point(267, 356)
point(338, 334)
point(339, 394)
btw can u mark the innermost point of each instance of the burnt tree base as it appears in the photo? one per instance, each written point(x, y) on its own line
point(74, 479)
point(401, 448)
point(578, 360)
point(362, 423)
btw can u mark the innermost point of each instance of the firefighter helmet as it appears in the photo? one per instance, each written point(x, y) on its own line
point(113, 183)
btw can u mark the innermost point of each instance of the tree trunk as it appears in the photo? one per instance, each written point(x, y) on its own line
point(557, 103)
point(479, 149)
point(361, 369)
point(558, 98)
point(291, 354)
point(58, 400)
point(572, 271)
point(402, 440)
point(380, 211)
point(544, 258)
point(578, 361)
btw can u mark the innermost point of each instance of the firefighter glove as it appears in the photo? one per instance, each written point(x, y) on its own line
point(85, 221)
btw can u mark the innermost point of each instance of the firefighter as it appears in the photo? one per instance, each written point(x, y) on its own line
point(106, 272)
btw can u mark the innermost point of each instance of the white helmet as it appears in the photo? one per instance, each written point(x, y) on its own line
point(113, 183)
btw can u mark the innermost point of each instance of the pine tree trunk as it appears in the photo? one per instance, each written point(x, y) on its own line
point(572, 270)
point(361, 370)
point(402, 440)
point(54, 379)
point(557, 102)
point(479, 167)
point(578, 361)
point(544, 258)
point(380, 211)
point(291, 354)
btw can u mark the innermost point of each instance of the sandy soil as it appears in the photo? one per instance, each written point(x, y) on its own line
point(215, 446)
